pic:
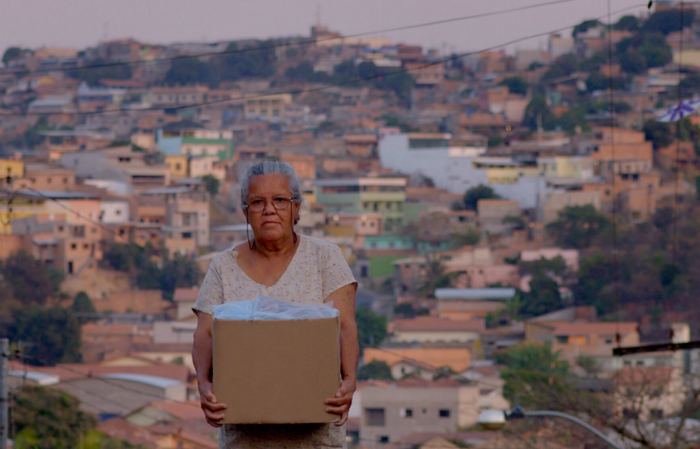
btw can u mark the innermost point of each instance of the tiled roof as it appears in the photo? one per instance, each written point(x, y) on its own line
point(456, 358)
point(611, 328)
point(427, 324)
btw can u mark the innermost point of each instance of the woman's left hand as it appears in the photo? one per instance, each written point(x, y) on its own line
point(340, 404)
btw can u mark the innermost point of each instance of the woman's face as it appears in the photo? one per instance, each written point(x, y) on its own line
point(270, 223)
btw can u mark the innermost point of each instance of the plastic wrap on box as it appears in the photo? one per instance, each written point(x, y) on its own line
point(265, 308)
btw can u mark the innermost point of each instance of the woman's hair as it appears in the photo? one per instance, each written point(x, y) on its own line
point(271, 167)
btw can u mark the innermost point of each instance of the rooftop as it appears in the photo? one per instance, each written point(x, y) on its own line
point(154, 381)
point(474, 293)
point(428, 324)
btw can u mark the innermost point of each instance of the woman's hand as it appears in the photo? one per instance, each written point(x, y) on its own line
point(340, 404)
point(213, 411)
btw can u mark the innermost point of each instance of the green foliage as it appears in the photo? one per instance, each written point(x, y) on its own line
point(473, 195)
point(585, 26)
point(371, 328)
point(660, 134)
point(543, 297)
point(82, 304)
point(257, 61)
point(53, 334)
point(634, 62)
point(178, 272)
point(669, 20)
point(95, 75)
point(544, 267)
point(11, 54)
point(588, 364)
point(32, 282)
point(598, 81)
point(534, 376)
point(627, 23)
point(434, 277)
point(595, 274)
point(515, 84)
point(470, 237)
point(211, 183)
point(366, 73)
point(406, 310)
point(578, 226)
point(652, 47)
point(376, 369)
point(49, 418)
point(518, 222)
point(191, 71)
point(538, 112)
point(563, 66)
point(304, 72)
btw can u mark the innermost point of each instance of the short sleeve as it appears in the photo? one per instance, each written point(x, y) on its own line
point(335, 271)
point(211, 293)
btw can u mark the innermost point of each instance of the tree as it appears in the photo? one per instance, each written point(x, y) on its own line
point(434, 276)
point(660, 134)
point(633, 61)
point(53, 335)
point(305, 72)
point(94, 75)
point(211, 183)
point(470, 237)
point(627, 23)
point(538, 113)
point(595, 274)
point(585, 26)
point(190, 71)
point(255, 61)
point(49, 418)
point(32, 282)
point(480, 192)
point(543, 297)
point(82, 305)
point(535, 376)
point(669, 20)
point(371, 328)
point(179, 272)
point(515, 84)
point(11, 54)
point(376, 369)
point(577, 226)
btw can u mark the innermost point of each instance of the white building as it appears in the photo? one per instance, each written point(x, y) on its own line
point(114, 211)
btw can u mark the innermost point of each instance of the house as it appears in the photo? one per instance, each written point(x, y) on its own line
point(471, 303)
point(574, 339)
point(492, 214)
point(648, 393)
point(185, 299)
point(424, 329)
point(406, 361)
point(186, 217)
point(390, 412)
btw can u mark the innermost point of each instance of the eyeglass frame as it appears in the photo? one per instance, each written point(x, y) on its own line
point(264, 204)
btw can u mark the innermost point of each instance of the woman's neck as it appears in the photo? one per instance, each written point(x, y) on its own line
point(275, 248)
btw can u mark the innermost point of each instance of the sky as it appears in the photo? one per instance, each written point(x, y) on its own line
point(81, 23)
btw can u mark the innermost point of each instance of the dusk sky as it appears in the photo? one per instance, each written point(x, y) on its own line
point(81, 23)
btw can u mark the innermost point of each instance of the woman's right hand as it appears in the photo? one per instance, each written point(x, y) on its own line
point(213, 411)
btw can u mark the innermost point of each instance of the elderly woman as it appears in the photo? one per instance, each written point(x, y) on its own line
point(291, 267)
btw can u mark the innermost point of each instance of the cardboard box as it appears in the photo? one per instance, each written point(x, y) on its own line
point(276, 372)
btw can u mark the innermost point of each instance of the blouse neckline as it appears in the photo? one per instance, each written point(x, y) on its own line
point(234, 257)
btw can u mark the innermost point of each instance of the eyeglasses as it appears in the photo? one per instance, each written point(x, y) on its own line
point(278, 202)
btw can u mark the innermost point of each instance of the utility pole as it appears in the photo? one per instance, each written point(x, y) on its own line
point(4, 390)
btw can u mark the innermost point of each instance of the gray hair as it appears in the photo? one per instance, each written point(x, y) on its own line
point(271, 167)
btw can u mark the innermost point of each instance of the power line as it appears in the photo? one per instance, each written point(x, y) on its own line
point(305, 42)
point(439, 61)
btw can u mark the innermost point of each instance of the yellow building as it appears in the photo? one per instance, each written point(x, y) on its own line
point(575, 167)
point(11, 167)
point(178, 166)
point(269, 107)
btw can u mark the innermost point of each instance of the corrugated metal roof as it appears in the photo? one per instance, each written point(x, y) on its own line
point(474, 293)
point(154, 381)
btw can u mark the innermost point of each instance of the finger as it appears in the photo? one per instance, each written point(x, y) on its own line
point(343, 419)
point(215, 407)
point(339, 401)
point(338, 410)
point(214, 417)
point(214, 423)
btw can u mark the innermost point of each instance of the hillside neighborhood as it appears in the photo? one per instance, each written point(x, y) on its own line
point(511, 217)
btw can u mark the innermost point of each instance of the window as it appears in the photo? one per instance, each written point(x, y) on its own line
point(70, 267)
point(627, 363)
point(375, 207)
point(382, 438)
point(406, 412)
point(639, 363)
point(363, 271)
point(65, 180)
point(60, 229)
point(563, 339)
point(118, 212)
point(444, 413)
point(86, 246)
point(186, 235)
point(73, 246)
point(48, 180)
point(375, 417)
